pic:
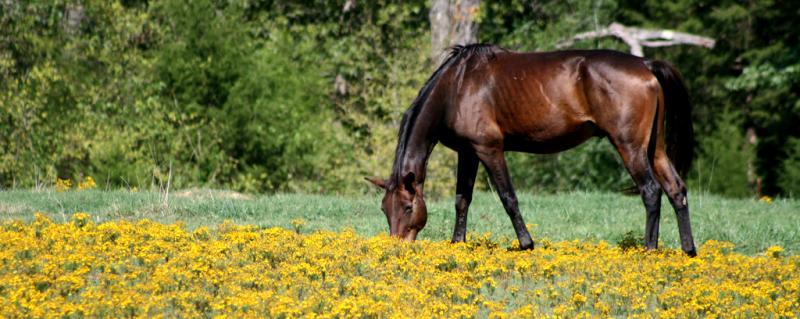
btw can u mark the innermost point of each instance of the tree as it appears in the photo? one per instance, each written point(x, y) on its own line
point(453, 22)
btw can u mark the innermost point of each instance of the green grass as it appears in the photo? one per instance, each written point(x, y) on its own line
point(751, 225)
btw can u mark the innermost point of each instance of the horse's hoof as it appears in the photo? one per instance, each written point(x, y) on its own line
point(691, 252)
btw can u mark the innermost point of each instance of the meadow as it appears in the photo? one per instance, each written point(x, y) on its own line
point(204, 253)
point(751, 225)
point(293, 98)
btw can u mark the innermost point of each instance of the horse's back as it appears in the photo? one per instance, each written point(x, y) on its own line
point(547, 101)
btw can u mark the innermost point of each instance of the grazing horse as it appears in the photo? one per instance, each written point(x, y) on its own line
point(484, 100)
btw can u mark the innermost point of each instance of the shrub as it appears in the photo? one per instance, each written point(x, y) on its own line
point(724, 158)
point(630, 239)
point(594, 165)
point(789, 177)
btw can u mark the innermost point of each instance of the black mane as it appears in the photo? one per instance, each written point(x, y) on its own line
point(458, 53)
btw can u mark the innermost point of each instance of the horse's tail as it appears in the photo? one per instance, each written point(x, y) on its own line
point(679, 132)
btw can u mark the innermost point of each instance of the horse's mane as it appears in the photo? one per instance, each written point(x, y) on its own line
point(458, 53)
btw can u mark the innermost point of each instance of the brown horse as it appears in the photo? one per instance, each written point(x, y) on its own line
point(484, 100)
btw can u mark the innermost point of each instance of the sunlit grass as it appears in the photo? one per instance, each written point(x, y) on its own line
point(751, 225)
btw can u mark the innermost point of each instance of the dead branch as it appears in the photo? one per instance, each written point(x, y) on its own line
point(636, 38)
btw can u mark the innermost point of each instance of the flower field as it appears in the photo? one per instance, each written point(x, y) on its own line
point(148, 269)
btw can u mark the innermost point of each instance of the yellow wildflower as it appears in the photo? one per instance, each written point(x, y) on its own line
point(298, 224)
point(63, 185)
point(87, 183)
point(148, 269)
point(774, 251)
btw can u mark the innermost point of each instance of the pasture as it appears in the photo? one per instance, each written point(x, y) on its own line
point(203, 253)
point(294, 98)
point(749, 224)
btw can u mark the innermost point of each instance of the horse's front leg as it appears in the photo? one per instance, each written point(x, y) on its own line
point(495, 163)
point(467, 170)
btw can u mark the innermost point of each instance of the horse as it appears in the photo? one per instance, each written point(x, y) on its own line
point(484, 100)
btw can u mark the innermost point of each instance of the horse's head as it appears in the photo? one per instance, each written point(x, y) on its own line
point(403, 206)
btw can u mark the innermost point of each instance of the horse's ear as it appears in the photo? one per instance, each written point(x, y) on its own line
point(409, 181)
point(377, 181)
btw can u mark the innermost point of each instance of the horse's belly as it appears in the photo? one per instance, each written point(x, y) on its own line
point(551, 142)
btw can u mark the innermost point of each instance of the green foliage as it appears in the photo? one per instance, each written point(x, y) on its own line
point(773, 109)
point(66, 85)
point(752, 67)
point(789, 178)
point(201, 54)
point(276, 122)
point(529, 26)
point(590, 166)
point(630, 239)
point(274, 96)
point(725, 159)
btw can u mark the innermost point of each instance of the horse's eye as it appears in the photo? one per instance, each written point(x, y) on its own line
point(408, 209)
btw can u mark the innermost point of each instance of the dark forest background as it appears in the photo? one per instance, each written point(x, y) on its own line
point(280, 96)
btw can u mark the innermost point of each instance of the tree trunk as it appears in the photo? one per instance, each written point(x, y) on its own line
point(465, 28)
point(452, 23)
point(75, 14)
point(752, 175)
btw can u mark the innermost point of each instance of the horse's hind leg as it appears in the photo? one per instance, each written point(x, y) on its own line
point(637, 163)
point(676, 191)
point(467, 169)
point(495, 162)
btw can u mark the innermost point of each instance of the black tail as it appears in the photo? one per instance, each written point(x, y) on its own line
point(680, 140)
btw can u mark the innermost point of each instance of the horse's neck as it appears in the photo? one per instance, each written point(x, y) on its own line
point(415, 160)
point(419, 146)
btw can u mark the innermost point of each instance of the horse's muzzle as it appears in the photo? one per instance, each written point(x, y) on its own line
point(411, 235)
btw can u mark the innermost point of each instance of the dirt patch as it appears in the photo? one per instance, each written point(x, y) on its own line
point(211, 193)
point(14, 209)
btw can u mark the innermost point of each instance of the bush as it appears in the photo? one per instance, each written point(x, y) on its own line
point(724, 158)
point(594, 165)
point(789, 178)
point(630, 239)
point(276, 123)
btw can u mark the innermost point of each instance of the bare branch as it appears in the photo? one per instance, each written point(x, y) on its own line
point(636, 38)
